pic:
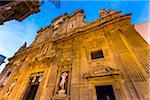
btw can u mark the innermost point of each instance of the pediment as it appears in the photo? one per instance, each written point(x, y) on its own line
point(101, 71)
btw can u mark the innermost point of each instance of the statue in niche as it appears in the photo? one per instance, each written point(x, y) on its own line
point(61, 92)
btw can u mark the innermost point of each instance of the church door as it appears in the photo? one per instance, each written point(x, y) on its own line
point(105, 92)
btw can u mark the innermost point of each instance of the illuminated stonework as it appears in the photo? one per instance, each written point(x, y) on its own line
point(75, 60)
point(17, 9)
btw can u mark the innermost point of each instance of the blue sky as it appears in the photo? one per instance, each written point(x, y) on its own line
point(13, 34)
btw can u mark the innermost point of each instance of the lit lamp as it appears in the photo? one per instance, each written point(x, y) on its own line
point(2, 58)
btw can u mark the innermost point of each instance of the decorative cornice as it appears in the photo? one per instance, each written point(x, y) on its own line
point(103, 74)
point(43, 29)
point(76, 12)
point(63, 15)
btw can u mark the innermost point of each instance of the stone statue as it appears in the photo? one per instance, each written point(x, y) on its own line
point(62, 84)
point(63, 80)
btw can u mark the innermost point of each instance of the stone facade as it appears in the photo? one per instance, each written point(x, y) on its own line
point(71, 58)
point(17, 9)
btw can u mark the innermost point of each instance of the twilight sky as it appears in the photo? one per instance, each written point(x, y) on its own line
point(13, 34)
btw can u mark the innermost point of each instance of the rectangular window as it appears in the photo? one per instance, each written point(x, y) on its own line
point(97, 54)
point(31, 92)
point(32, 88)
point(33, 85)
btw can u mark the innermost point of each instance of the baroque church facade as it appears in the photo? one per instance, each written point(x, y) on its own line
point(71, 59)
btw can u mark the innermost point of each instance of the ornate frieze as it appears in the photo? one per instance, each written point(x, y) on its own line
point(36, 77)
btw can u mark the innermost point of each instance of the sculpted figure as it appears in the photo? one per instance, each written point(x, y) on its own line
point(63, 80)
